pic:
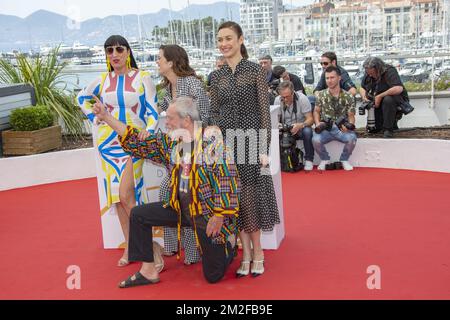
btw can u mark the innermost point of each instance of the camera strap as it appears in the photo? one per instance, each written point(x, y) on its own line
point(294, 109)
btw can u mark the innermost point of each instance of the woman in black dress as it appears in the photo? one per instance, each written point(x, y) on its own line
point(239, 101)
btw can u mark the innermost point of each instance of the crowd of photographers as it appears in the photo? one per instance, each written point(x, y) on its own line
point(329, 114)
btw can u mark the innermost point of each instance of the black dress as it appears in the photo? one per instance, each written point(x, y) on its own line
point(239, 100)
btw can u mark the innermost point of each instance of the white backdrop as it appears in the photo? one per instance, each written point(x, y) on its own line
point(153, 175)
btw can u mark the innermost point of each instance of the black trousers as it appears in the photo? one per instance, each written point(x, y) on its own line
point(386, 114)
point(143, 218)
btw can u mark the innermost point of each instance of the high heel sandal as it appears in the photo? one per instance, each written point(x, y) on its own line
point(244, 269)
point(257, 268)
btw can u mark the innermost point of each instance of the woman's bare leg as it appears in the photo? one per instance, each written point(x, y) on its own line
point(258, 254)
point(127, 202)
point(244, 268)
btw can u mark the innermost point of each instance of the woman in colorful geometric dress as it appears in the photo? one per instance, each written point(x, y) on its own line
point(130, 97)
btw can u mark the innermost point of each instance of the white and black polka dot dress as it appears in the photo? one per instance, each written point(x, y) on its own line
point(239, 100)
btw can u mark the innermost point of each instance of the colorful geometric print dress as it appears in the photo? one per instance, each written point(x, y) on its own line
point(131, 98)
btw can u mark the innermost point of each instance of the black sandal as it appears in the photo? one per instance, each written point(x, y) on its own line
point(139, 280)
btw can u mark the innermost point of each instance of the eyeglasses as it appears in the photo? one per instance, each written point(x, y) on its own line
point(119, 49)
point(324, 63)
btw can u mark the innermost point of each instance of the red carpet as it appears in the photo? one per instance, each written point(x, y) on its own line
point(337, 224)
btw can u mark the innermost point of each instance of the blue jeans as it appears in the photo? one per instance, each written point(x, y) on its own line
point(320, 140)
point(312, 100)
point(306, 135)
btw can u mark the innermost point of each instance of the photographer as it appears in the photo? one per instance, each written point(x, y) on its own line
point(295, 111)
point(329, 59)
point(382, 84)
point(334, 116)
point(279, 72)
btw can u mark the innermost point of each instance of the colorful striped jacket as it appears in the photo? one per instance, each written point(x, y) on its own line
point(214, 181)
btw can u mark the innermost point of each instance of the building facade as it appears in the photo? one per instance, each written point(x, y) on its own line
point(258, 19)
point(362, 24)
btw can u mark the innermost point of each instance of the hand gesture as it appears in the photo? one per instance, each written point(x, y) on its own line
point(264, 160)
point(212, 131)
point(143, 134)
point(296, 127)
point(214, 226)
point(99, 109)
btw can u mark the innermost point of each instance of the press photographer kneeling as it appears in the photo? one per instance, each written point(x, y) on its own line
point(334, 116)
point(295, 118)
point(383, 90)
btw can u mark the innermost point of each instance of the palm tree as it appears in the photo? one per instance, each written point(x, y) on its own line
point(44, 74)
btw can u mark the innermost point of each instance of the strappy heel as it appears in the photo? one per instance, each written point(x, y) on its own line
point(244, 269)
point(257, 268)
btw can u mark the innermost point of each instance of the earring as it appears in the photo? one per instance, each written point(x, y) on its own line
point(129, 62)
point(108, 64)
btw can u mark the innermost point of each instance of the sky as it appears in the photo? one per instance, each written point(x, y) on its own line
point(81, 10)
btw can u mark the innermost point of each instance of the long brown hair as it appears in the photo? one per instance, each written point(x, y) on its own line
point(180, 62)
point(238, 30)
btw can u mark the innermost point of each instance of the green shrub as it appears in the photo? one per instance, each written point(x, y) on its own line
point(31, 118)
point(160, 92)
point(46, 76)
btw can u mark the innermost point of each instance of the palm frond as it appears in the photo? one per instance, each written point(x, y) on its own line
point(45, 75)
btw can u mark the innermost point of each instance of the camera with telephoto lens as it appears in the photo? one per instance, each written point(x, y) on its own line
point(365, 105)
point(325, 124)
point(343, 121)
point(286, 138)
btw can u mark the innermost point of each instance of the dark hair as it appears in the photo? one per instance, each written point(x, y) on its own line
point(238, 30)
point(278, 71)
point(115, 40)
point(333, 68)
point(180, 60)
point(266, 57)
point(330, 55)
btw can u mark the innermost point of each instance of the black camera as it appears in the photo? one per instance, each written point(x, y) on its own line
point(291, 157)
point(325, 124)
point(365, 105)
point(343, 121)
point(405, 107)
point(286, 138)
point(273, 85)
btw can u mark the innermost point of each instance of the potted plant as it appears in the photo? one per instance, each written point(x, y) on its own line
point(45, 75)
point(33, 131)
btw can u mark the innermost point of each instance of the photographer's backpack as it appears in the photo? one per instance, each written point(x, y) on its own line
point(291, 159)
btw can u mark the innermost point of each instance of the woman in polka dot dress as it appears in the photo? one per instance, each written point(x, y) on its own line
point(239, 100)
